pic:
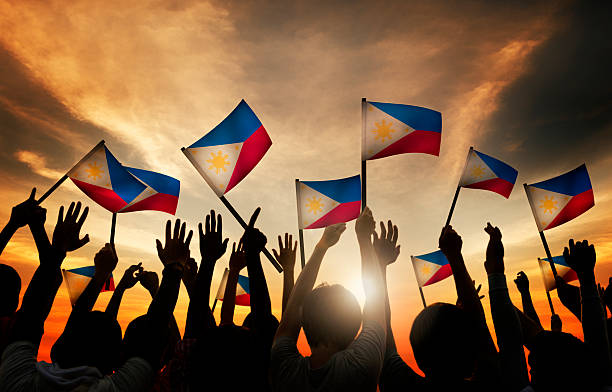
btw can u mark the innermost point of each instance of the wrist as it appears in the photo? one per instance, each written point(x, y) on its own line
point(586, 277)
point(12, 225)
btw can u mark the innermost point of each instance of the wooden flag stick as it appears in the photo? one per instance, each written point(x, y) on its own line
point(552, 309)
point(113, 225)
point(550, 304)
point(364, 192)
point(300, 231)
point(418, 284)
point(65, 176)
point(227, 204)
point(452, 208)
point(542, 237)
point(422, 297)
point(214, 305)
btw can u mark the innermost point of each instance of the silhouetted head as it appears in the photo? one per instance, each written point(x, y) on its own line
point(331, 317)
point(443, 339)
point(561, 362)
point(146, 340)
point(89, 339)
point(10, 286)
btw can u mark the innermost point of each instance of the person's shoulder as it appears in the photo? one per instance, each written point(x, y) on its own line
point(22, 347)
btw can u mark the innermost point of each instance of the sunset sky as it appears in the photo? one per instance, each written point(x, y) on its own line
point(529, 84)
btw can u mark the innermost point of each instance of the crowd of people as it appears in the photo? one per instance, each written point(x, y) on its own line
point(351, 349)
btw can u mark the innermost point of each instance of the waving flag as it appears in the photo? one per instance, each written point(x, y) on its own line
point(161, 192)
point(485, 172)
point(243, 296)
point(225, 155)
point(390, 129)
point(431, 268)
point(324, 203)
point(560, 199)
point(101, 177)
point(77, 280)
point(563, 270)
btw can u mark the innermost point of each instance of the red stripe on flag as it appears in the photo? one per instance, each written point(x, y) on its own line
point(105, 197)
point(497, 185)
point(426, 142)
point(577, 206)
point(342, 213)
point(243, 299)
point(253, 149)
point(158, 202)
point(444, 272)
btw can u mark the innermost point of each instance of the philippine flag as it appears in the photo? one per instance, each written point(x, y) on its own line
point(560, 199)
point(390, 129)
point(431, 268)
point(563, 270)
point(161, 192)
point(324, 203)
point(485, 172)
point(243, 296)
point(225, 155)
point(101, 177)
point(77, 280)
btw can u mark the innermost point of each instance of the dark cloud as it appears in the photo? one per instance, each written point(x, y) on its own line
point(559, 112)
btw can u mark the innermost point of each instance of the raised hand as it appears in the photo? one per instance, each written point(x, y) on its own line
point(495, 251)
point(386, 246)
point(175, 252)
point(131, 276)
point(25, 212)
point(212, 244)
point(106, 260)
point(365, 225)
point(253, 240)
point(286, 253)
point(150, 281)
point(331, 235)
point(522, 282)
point(238, 258)
point(580, 256)
point(450, 242)
point(190, 272)
point(67, 230)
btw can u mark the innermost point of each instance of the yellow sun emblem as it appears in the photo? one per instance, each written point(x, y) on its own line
point(218, 162)
point(477, 171)
point(425, 269)
point(548, 204)
point(383, 130)
point(315, 205)
point(94, 171)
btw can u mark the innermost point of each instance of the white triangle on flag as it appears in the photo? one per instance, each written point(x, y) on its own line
point(313, 205)
point(380, 131)
point(476, 171)
point(93, 170)
point(217, 164)
point(546, 205)
point(424, 270)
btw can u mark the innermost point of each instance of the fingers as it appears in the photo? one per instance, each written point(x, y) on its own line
point(188, 239)
point(225, 244)
point(168, 231)
point(287, 240)
point(389, 230)
point(383, 231)
point(83, 241)
point(83, 217)
point(207, 226)
point(201, 232)
point(181, 236)
point(76, 211)
point(32, 195)
point(159, 247)
point(60, 215)
point(177, 227)
point(395, 234)
point(219, 224)
point(213, 221)
point(280, 243)
point(233, 248)
point(254, 217)
point(69, 212)
point(276, 255)
point(296, 243)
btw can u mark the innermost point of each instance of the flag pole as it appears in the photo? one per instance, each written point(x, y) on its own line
point(542, 237)
point(363, 161)
point(113, 225)
point(214, 305)
point(231, 208)
point(300, 230)
point(418, 285)
point(452, 208)
point(550, 304)
point(221, 287)
point(65, 176)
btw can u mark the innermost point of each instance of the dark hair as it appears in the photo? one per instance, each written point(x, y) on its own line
point(560, 361)
point(330, 316)
point(90, 339)
point(442, 339)
point(10, 286)
point(154, 343)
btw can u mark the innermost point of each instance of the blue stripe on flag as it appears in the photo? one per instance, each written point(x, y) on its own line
point(420, 119)
point(243, 281)
point(343, 190)
point(436, 257)
point(85, 271)
point(571, 183)
point(123, 183)
point(558, 260)
point(160, 182)
point(501, 169)
point(237, 127)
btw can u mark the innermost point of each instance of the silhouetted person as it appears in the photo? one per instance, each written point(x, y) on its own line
point(10, 287)
point(331, 317)
point(522, 284)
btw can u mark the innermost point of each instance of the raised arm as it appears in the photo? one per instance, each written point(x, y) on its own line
point(128, 280)
point(290, 322)
point(286, 258)
point(212, 247)
point(569, 296)
point(254, 241)
point(236, 264)
point(580, 256)
point(506, 321)
point(522, 284)
point(21, 215)
point(105, 261)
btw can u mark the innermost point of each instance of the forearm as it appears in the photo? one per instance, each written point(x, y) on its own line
point(570, 297)
point(6, 234)
point(41, 239)
point(229, 299)
point(594, 323)
point(199, 314)
point(89, 296)
point(260, 297)
point(508, 330)
point(112, 308)
point(373, 283)
point(391, 348)
point(288, 281)
point(529, 309)
point(163, 303)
